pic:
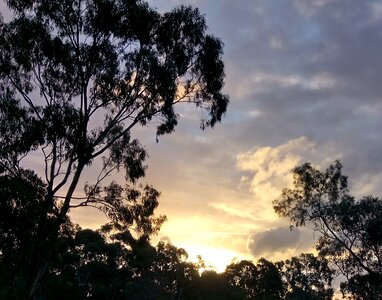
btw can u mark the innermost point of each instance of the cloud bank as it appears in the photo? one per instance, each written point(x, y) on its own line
point(304, 82)
point(279, 243)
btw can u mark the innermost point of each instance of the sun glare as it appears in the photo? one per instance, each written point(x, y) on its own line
point(215, 258)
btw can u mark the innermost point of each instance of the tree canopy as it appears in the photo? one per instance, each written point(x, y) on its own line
point(76, 78)
point(350, 228)
point(109, 263)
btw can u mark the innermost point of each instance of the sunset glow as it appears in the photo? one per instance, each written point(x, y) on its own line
point(146, 145)
point(215, 258)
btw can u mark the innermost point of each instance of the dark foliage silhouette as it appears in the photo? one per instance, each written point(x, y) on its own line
point(260, 281)
point(76, 78)
point(350, 229)
point(307, 277)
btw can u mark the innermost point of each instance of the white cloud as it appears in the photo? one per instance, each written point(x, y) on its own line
point(367, 184)
point(376, 11)
point(235, 211)
point(270, 169)
point(311, 6)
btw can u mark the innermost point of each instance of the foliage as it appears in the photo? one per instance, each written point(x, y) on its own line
point(360, 287)
point(214, 286)
point(80, 253)
point(259, 282)
point(307, 277)
point(112, 264)
point(76, 78)
point(349, 228)
point(21, 212)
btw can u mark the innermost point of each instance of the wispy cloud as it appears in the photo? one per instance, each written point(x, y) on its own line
point(236, 211)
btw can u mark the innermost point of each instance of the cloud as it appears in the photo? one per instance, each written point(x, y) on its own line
point(279, 243)
point(310, 7)
point(272, 240)
point(367, 184)
point(301, 68)
point(268, 169)
point(233, 211)
point(304, 84)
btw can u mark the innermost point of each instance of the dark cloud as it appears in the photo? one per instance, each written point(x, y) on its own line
point(321, 82)
point(280, 239)
point(308, 68)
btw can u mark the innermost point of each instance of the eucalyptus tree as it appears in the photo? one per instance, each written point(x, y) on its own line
point(261, 281)
point(307, 277)
point(77, 77)
point(349, 228)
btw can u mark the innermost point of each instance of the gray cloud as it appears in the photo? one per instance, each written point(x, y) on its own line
point(278, 240)
point(306, 68)
point(323, 82)
point(294, 69)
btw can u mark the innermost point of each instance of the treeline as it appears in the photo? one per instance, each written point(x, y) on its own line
point(111, 264)
point(77, 79)
point(119, 262)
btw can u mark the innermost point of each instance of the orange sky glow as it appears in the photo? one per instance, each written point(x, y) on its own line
point(304, 84)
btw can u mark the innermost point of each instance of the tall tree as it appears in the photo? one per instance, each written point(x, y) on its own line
point(215, 286)
point(350, 229)
point(306, 277)
point(259, 282)
point(77, 76)
point(20, 212)
point(81, 258)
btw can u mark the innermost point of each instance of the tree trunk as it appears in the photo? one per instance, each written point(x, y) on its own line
point(44, 249)
point(47, 241)
point(41, 268)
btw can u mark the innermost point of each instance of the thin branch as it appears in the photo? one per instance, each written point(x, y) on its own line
point(66, 177)
point(26, 98)
point(52, 166)
point(46, 158)
point(366, 268)
point(39, 82)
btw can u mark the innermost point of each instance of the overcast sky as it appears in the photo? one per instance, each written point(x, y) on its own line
point(305, 83)
point(304, 79)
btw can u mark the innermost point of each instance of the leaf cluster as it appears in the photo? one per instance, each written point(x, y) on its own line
point(349, 228)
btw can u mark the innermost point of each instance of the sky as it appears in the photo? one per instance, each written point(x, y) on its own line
point(304, 81)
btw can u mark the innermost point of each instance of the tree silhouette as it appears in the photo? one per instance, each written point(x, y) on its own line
point(259, 282)
point(111, 264)
point(350, 229)
point(21, 210)
point(307, 277)
point(214, 286)
point(76, 77)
